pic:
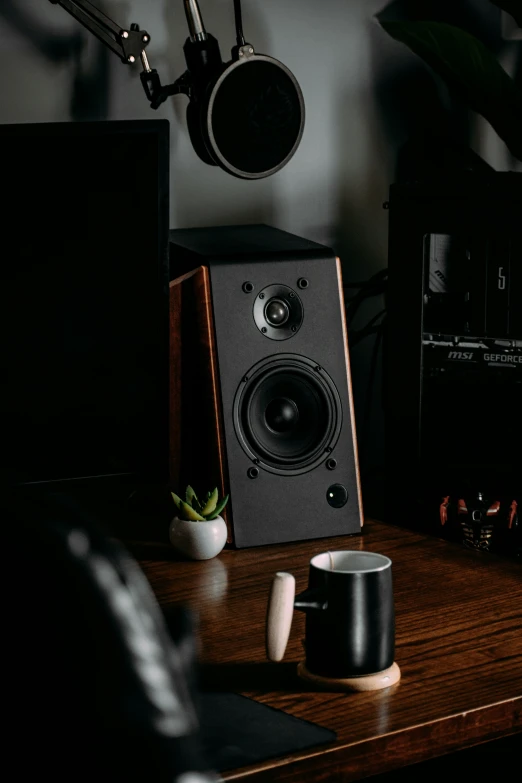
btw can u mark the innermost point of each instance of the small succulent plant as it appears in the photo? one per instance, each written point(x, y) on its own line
point(195, 510)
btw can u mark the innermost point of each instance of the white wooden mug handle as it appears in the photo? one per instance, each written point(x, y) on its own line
point(279, 615)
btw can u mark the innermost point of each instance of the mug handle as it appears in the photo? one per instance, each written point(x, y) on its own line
point(279, 615)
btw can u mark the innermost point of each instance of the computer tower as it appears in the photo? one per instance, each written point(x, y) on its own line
point(453, 354)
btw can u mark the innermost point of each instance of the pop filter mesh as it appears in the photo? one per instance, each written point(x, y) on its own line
point(256, 117)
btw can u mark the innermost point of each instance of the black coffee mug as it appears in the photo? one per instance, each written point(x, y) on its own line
point(350, 618)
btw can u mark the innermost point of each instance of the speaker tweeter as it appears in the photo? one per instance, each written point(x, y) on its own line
point(278, 312)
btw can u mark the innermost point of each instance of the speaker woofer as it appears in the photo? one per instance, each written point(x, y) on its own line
point(287, 414)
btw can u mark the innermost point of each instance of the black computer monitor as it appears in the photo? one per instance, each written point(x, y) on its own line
point(84, 299)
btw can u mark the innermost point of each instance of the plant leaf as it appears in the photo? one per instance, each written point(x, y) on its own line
point(511, 7)
point(177, 500)
point(218, 509)
point(196, 504)
point(189, 513)
point(470, 69)
point(211, 503)
point(190, 496)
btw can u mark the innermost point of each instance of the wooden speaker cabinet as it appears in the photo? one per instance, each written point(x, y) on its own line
point(260, 392)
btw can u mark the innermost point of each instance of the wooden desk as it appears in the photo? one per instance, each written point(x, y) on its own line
point(458, 643)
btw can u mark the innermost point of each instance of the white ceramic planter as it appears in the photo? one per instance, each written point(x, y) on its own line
point(198, 540)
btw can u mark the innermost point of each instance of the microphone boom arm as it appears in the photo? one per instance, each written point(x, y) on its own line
point(129, 45)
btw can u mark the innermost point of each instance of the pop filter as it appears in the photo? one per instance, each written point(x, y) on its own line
point(254, 118)
point(246, 116)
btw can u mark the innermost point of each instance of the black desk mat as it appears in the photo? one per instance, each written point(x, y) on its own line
point(238, 731)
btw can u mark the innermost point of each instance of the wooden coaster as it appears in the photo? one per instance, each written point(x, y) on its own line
point(365, 682)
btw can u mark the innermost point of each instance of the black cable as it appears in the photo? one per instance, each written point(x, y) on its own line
point(374, 286)
point(374, 319)
point(359, 334)
point(367, 332)
point(371, 289)
point(379, 275)
point(369, 393)
point(240, 38)
point(356, 301)
point(382, 273)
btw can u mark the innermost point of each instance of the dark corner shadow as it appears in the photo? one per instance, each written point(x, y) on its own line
point(265, 677)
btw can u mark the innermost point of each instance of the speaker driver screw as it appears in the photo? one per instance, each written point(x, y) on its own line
point(245, 378)
point(318, 368)
point(261, 296)
point(263, 329)
point(328, 449)
point(255, 461)
point(294, 328)
point(291, 295)
point(252, 473)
